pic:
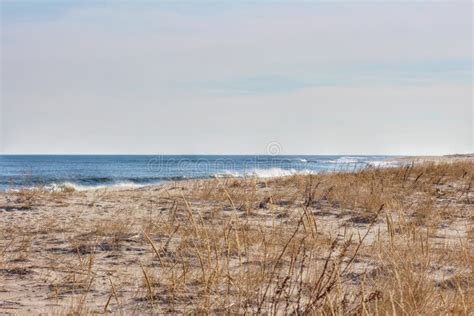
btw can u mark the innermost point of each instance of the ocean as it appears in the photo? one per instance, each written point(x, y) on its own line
point(92, 171)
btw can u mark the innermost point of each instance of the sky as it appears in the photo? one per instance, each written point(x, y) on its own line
point(230, 77)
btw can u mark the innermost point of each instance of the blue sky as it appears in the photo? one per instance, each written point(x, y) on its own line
point(225, 77)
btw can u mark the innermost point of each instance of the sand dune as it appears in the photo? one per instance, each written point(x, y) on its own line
point(395, 240)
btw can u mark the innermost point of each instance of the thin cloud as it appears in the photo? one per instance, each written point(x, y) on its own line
point(139, 71)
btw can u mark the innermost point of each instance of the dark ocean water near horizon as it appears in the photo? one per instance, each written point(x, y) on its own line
point(90, 171)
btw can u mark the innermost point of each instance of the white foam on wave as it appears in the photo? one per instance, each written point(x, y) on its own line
point(303, 160)
point(227, 174)
point(383, 163)
point(65, 186)
point(276, 172)
point(271, 173)
point(347, 159)
point(343, 160)
point(264, 173)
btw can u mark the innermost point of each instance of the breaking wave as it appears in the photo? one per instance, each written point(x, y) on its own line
point(345, 160)
point(263, 173)
point(67, 186)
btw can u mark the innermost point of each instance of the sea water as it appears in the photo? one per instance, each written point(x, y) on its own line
point(92, 171)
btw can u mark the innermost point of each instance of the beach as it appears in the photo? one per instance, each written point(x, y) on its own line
point(377, 240)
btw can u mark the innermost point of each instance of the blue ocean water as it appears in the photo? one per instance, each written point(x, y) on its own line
point(85, 171)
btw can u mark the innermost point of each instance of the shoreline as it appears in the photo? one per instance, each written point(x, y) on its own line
point(437, 159)
point(392, 162)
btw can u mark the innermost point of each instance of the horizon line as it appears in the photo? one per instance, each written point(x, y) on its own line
point(227, 154)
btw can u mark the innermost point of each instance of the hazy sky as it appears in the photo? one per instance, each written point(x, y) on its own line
point(321, 77)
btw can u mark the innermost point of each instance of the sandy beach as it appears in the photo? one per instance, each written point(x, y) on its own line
point(394, 240)
point(436, 159)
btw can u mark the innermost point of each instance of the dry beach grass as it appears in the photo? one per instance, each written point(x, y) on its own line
point(376, 241)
